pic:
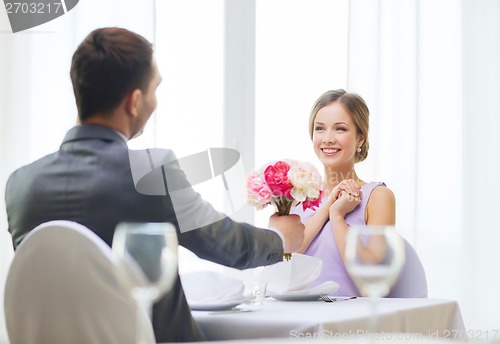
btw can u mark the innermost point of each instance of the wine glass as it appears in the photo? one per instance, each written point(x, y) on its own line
point(147, 263)
point(374, 256)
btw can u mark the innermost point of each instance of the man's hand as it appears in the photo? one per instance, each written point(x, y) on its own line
point(291, 228)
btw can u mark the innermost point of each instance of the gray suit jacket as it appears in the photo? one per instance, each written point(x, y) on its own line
point(89, 181)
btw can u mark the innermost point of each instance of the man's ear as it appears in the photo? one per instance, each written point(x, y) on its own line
point(132, 102)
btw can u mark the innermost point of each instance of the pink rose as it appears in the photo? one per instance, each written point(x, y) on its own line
point(258, 193)
point(284, 184)
point(313, 203)
point(276, 177)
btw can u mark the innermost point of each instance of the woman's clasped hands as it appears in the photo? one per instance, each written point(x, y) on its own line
point(344, 198)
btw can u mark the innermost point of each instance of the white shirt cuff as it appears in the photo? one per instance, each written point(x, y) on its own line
point(275, 230)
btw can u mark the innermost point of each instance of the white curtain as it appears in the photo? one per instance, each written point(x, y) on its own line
point(430, 74)
point(480, 256)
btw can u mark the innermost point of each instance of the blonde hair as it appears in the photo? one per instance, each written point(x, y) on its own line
point(355, 107)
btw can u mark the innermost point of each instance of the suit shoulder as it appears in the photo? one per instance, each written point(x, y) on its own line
point(32, 166)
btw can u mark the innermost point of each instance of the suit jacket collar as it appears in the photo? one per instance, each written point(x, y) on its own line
point(92, 131)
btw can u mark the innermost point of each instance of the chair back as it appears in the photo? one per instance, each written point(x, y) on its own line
point(62, 288)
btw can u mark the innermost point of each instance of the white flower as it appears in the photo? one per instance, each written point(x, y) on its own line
point(306, 181)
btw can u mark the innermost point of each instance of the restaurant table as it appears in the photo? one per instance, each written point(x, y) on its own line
point(411, 318)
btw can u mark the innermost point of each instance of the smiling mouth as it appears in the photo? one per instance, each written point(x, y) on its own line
point(330, 150)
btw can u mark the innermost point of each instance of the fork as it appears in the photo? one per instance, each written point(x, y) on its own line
point(327, 298)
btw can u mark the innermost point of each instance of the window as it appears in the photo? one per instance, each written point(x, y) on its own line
point(301, 52)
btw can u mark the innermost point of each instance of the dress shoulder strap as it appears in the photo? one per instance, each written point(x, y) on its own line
point(357, 216)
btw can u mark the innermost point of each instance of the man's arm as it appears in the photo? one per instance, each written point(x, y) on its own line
point(212, 235)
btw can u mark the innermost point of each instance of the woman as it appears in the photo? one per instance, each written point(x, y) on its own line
point(338, 127)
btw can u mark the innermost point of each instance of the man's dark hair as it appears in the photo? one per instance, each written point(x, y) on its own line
point(106, 66)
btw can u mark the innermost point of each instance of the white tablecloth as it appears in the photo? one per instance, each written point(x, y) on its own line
point(413, 318)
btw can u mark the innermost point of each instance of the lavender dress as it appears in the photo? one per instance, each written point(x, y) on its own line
point(411, 282)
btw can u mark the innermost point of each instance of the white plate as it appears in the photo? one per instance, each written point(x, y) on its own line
point(213, 306)
point(295, 297)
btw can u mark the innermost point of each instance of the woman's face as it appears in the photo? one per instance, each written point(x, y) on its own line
point(335, 137)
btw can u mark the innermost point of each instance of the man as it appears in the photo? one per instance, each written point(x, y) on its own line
point(89, 180)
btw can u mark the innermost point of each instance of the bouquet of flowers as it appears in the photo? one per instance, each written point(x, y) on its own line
point(284, 184)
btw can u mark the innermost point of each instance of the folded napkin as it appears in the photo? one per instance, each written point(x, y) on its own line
point(294, 276)
point(325, 288)
point(211, 288)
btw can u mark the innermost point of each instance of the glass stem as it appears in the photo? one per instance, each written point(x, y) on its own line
point(373, 322)
point(143, 306)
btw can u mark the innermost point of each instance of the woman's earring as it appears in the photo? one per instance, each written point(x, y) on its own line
point(358, 150)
